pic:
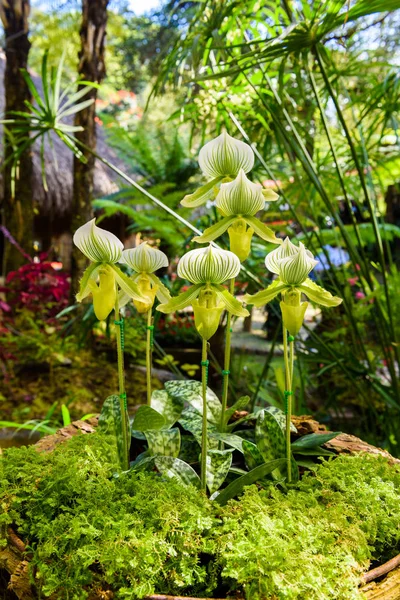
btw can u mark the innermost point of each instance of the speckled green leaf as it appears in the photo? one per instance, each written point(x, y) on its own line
point(239, 405)
point(170, 408)
point(295, 470)
point(164, 442)
point(252, 455)
point(191, 420)
point(269, 437)
point(236, 487)
point(316, 451)
point(234, 441)
point(147, 418)
point(175, 468)
point(218, 465)
point(110, 422)
point(314, 439)
point(191, 392)
point(280, 417)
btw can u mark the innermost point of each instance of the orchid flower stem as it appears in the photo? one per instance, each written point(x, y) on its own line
point(121, 384)
point(149, 348)
point(204, 377)
point(227, 360)
point(288, 397)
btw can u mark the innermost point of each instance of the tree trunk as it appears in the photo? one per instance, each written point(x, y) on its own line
point(17, 205)
point(91, 68)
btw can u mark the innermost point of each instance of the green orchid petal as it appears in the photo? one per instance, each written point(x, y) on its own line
point(265, 296)
point(318, 295)
point(270, 196)
point(215, 231)
point(162, 292)
point(204, 193)
point(208, 265)
point(97, 244)
point(225, 156)
point(88, 278)
point(182, 301)
point(240, 197)
point(232, 305)
point(262, 230)
point(128, 286)
point(144, 258)
point(123, 297)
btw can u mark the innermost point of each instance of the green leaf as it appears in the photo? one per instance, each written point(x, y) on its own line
point(240, 404)
point(280, 417)
point(110, 423)
point(201, 195)
point(218, 465)
point(229, 439)
point(170, 408)
point(215, 231)
point(270, 439)
point(164, 442)
point(265, 296)
point(191, 392)
point(66, 417)
point(147, 418)
point(191, 421)
point(174, 468)
point(181, 301)
point(315, 451)
point(318, 295)
point(252, 455)
point(314, 439)
point(236, 487)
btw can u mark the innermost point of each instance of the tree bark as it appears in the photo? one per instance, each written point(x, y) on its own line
point(91, 68)
point(17, 205)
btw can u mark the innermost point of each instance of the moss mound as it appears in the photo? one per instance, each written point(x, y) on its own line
point(136, 533)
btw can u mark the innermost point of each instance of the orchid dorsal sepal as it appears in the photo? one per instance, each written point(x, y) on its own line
point(293, 270)
point(285, 250)
point(240, 197)
point(98, 245)
point(208, 265)
point(144, 258)
point(225, 156)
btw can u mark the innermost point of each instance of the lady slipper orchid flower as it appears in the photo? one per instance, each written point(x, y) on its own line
point(238, 202)
point(220, 159)
point(104, 250)
point(145, 260)
point(207, 269)
point(292, 264)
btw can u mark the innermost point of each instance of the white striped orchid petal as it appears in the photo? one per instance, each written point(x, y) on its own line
point(98, 245)
point(240, 197)
point(283, 251)
point(225, 156)
point(208, 265)
point(294, 269)
point(144, 258)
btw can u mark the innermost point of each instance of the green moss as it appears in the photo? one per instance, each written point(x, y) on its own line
point(137, 534)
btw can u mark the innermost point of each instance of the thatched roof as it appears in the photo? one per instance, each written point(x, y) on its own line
point(56, 203)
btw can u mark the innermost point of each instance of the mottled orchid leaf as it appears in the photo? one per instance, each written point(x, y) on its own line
point(174, 468)
point(252, 455)
point(164, 442)
point(218, 465)
point(168, 406)
point(191, 421)
point(147, 418)
point(110, 423)
point(191, 392)
point(280, 417)
point(314, 439)
point(229, 439)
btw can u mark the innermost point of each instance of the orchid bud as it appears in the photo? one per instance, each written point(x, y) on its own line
point(144, 258)
point(294, 269)
point(208, 265)
point(225, 156)
point(240, 239)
